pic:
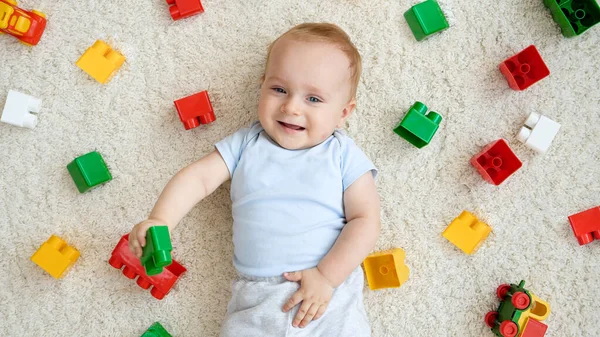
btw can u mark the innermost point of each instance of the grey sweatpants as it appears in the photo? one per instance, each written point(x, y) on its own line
point(256, 302)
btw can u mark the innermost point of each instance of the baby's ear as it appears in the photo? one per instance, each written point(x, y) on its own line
point(346, 112)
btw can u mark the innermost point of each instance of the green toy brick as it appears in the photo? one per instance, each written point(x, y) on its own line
point(156, 254)
point(89, 171)
point(156, 330)
point(418, 128)
point(425, 19)
point(574, 16)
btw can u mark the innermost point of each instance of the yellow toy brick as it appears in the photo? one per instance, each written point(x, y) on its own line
point(386, 269)
point(100, 61)
point(55, 256)
point(467, 232)
point(539, 310)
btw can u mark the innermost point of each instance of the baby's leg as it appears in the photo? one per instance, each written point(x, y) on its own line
point(255, 308)
point(345, 316)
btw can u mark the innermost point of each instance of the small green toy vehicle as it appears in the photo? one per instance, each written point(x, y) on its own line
point(515, 300)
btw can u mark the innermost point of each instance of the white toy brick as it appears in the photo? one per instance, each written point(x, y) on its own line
point(538, 132)
point(18, 108)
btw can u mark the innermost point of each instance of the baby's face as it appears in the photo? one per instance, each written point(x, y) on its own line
point(305, 94)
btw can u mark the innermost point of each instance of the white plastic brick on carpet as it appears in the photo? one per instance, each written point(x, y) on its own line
point(132, 122)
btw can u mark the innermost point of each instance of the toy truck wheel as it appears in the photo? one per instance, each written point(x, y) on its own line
point(491, 318)
point(509, 329)
point(520, 300)
point(502, 291)
point(39, 13)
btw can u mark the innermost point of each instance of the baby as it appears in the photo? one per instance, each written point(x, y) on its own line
point(305, 206)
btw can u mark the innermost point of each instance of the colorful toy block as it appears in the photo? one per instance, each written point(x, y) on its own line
point(386, 269)
point(27, 26)
point(417, 127)
point(156, 330)
point(533, 328)
point(100, 61)
point(467, 232)
point(18, 108)
point(524, 69)
point(496, 162)
point(538, 132)
point(586, 225)
point(161, 283)
point(180, 9)
point(514, 301)
point(195, 110)
point(574, 16)
point(538, 311)
point(55, 256)
point(89, 171)
point(425, 19)
point(157, 251)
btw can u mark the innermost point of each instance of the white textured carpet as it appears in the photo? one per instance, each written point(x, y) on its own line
point(133, 123)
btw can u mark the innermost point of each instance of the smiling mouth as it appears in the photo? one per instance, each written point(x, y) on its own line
point(291, 126)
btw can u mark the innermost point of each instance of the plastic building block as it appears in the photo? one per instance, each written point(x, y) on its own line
point(533, 328)
point(467, 232)
point(496, 162)
point(18, 108)
point(157, 251)
point(55, 256)
point(514, 301)
point(386, 269)
point(539, 311)
point(574, 16)
point(161, 283)
point(524, 69)
point(538, 132)
point(156, 330)
point(89, 171)
point(26, 26)
point(100, 61)
point(180, 9)
point(586, 225)
point(425, 19)
point(417, 127)
point(195, 110)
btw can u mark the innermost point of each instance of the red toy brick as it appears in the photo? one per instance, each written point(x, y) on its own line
point(496, 162)
point(524, 69)
point(195, 110)
point(180, 9)
point(162, 283)
point(586, 225)
point(534, 328)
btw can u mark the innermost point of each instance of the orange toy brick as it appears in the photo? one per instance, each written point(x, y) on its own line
point(100, 61)
point(55, 256)
point(467, 232)
point(586, 225)
point(26, 26)
point(386, 269)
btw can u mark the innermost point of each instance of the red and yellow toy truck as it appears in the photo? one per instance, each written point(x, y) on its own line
point(26, 26)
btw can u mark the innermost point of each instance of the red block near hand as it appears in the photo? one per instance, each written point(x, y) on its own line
point(180, 9)
point(496, 162)
point(161, 283)
point(586, 225)
point(195, 110)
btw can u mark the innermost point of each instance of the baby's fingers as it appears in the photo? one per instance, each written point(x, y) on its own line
point(295, 299)
point(320, 312)
point(310, 315)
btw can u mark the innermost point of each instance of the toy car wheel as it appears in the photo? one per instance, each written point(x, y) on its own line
point(509, 329)
point(491, 318)
point(39, 13)
point(520, 300)
point(502, 291)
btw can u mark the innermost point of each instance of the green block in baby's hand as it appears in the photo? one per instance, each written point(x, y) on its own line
point(157, 253)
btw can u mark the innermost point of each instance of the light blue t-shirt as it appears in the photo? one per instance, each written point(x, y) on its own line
point(287, 205)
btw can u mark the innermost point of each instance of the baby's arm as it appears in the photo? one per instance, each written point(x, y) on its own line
point(357, 239)
point(190, 185)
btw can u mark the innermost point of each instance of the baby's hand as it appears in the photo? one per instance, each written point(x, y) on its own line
point(137, 237)
point(314, 293)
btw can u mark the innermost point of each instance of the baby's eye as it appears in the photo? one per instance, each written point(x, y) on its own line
point(279, 90)
point(314, 99)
